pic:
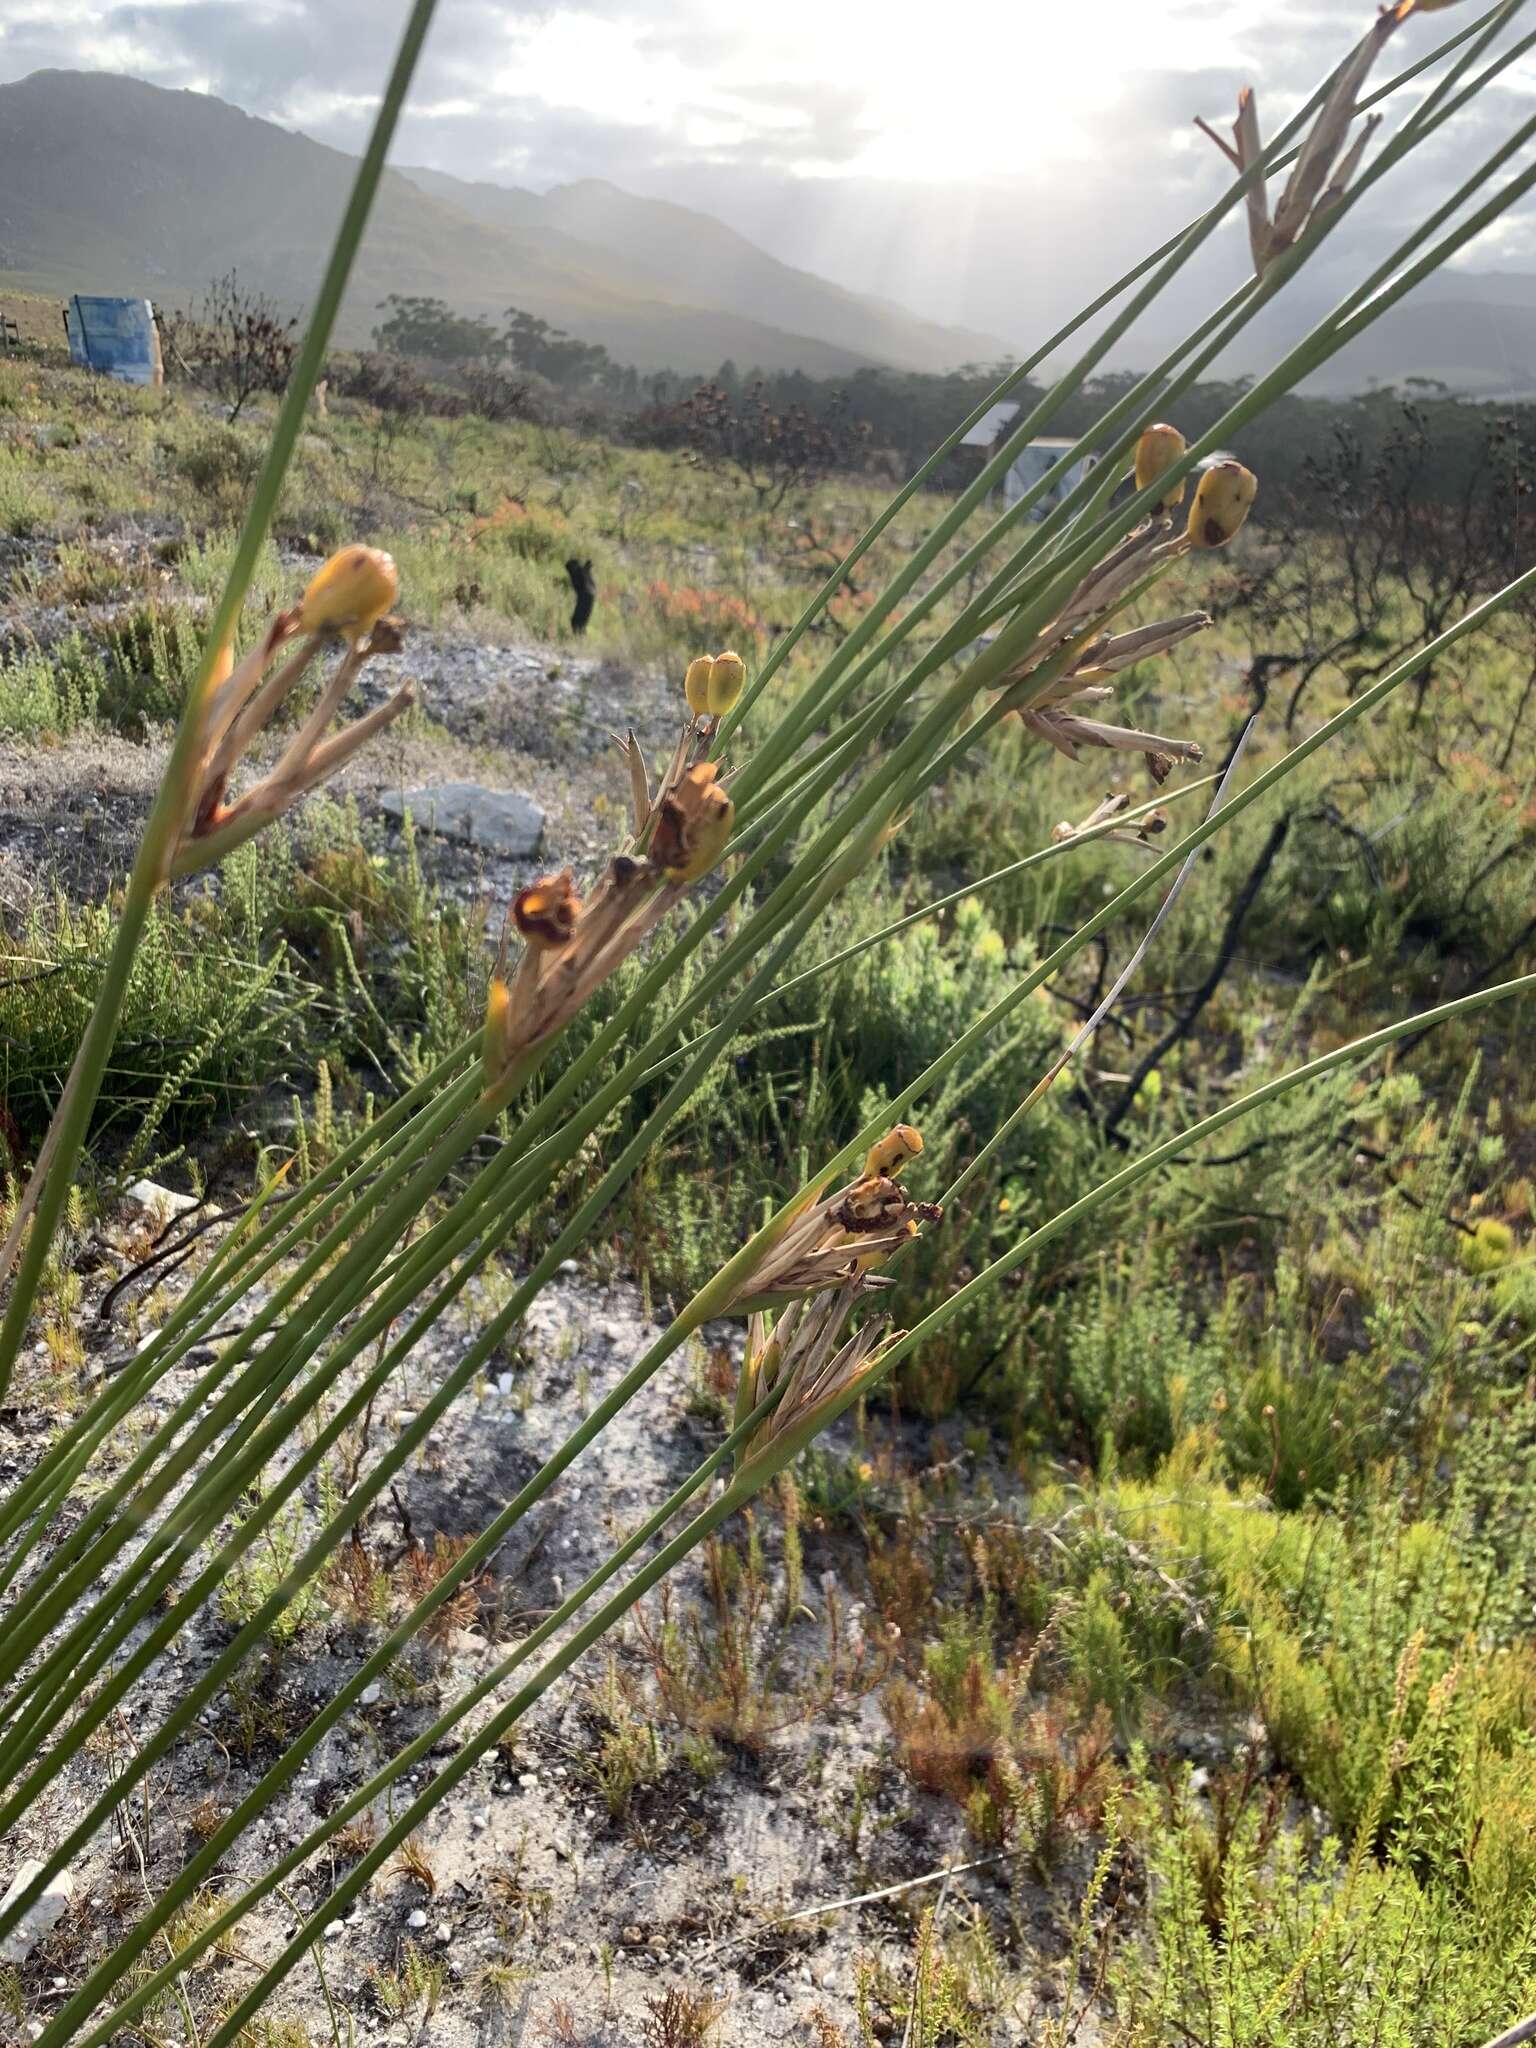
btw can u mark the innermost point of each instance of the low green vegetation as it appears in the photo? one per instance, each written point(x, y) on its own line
point(1248, 1476)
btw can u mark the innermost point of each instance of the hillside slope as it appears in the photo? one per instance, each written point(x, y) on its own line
point(697, 258)
point(109, 184)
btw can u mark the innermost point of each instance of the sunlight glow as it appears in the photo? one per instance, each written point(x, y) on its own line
point(834, 90)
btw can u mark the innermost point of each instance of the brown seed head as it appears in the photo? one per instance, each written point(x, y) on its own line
point(873, 1203)
point(692, 825)
point(546, 912)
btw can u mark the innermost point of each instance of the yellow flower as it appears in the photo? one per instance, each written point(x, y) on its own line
point(1222, 498)
point(350, 594)
point(1159, 448)
point(727, 673)
point(696, 684)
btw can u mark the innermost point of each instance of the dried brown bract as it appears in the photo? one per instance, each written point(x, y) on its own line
point(1140, 834)
point(1320, 175)
point(805, 1353)
point(693, 823)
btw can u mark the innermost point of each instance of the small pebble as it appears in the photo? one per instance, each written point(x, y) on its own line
point(417, 1920)
point(334, 1930)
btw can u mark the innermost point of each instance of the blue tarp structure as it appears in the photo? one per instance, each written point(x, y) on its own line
point(116, 336)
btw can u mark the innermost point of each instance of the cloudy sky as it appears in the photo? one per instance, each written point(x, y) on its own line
point(983, 162)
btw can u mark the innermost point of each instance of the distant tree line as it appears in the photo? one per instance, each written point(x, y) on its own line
point(780, 428)
point(430, 331)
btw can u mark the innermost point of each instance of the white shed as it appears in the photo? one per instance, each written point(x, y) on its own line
point(1034, 459)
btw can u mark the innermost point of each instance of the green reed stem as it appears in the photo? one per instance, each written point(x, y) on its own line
point(235, 1269)
point(259, 1798)
point(575, 1233)
point(56, 1168)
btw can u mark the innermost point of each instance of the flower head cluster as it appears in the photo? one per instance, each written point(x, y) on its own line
point(348, 600)
point(842, 1238)
point(1054, 689)
point(571, 946)
point(1113, 805)
point(805, 1354)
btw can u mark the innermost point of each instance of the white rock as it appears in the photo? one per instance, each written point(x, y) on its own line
point(41, 1917)
point(158, 1203)
point(370, 1695)
point(334, 1930)
point(502, 819)
point(417, 1920)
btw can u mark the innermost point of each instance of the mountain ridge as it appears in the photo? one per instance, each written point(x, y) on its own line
point(701, 257)
point(108, 183)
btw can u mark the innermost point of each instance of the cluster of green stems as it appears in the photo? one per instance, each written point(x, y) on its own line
point(335, 1291)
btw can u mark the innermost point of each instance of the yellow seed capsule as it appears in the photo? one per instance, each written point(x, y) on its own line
point(727, 673)
point(1157, 449)
point(1222, 498)
point(696, 684)
point(350, 594)
point(888, 1155)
